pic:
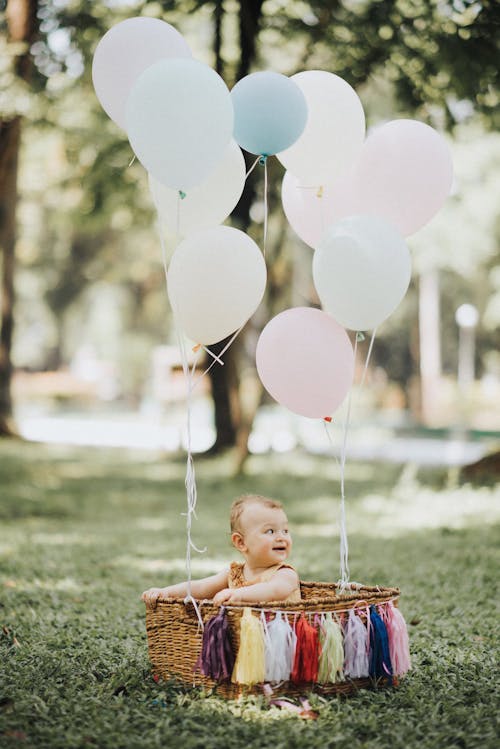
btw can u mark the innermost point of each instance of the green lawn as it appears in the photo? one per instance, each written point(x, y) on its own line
point(84, 531)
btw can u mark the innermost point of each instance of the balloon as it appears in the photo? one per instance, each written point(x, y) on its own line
point(404, 173)
point(270, 112)
point(310, 210)
point(179, 121)
point(334, 132)
point(361, 271)
point(124, 52)
point(305, 361)
point(207, 204)
point(216, 280)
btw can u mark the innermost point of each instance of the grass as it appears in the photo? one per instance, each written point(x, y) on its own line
point(83, 532)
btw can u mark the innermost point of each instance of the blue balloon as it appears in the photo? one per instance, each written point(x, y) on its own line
point(270, 112)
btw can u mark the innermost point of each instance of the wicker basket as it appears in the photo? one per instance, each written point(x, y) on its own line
point(175, 637)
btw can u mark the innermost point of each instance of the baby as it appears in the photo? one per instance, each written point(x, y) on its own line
point(259, 530)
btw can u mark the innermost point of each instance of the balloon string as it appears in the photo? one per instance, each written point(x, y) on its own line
point(365, 369)
point(266, 208)
point(252, 167)
point(319, 195)
point(217, 359)
point(190, 479)
point(344, 545)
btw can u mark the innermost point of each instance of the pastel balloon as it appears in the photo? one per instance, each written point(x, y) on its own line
point(310, 210)
point(216, 281)
point(404, 174)
point(179, 121)
point(206, 204)
point(305, 361)
point(124, 52)
point(270, 112)
point(361, 270)
point(334, 132)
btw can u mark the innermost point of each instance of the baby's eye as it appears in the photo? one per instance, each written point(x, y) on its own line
point(285, 530)
point(270, 531)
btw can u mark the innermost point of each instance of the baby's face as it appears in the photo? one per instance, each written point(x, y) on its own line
point(265, 534)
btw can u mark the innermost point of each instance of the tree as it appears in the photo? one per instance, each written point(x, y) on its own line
point(21, 31)
point(434, 60)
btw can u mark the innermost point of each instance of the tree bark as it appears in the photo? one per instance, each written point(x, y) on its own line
point(21, 27)
point(9, 149)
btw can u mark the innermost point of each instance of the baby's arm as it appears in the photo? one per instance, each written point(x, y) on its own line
point(205, 588)
point(279, 587)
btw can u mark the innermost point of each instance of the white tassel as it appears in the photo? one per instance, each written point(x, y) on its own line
point(356, 646)
point(280, 641)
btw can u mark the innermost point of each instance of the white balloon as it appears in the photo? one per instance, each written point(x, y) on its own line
point(207, 204)
point(124, 52)
point(361, 271)
point(334, 131)
point(179, 121)
point(216, 281)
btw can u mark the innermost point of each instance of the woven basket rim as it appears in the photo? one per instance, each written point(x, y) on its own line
point(358, 593)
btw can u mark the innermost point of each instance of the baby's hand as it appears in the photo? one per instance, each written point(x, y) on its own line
point(151, 596)
point(223, 596)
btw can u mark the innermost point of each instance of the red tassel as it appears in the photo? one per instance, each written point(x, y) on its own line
point(307, 652)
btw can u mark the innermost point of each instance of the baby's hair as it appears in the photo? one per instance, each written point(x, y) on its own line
point(240, 502)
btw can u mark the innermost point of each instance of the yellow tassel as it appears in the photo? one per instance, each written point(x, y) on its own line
point(250, 665)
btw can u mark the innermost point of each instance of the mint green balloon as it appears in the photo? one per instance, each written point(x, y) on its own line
point(179, 121)
point(270, 112)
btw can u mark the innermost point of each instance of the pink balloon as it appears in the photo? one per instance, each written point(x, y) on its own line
point(404, 174)
point(305, 361)
point(310, 210)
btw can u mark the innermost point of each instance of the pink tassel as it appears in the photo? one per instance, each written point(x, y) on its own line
point(399, 646)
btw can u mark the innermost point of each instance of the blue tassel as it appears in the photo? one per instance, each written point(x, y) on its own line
point(380, 660)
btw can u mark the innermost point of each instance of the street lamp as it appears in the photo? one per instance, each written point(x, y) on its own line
point(466, 318)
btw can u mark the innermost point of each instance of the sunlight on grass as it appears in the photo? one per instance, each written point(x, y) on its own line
point(61, 539)
point(65, 584)
point(456, 508)
point(199, 565)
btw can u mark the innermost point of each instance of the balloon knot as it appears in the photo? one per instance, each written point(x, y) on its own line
point(196, 348)
point(327, 418)
point(319, 194)
point(263, 159)
point(182, 194)
point(360, 336)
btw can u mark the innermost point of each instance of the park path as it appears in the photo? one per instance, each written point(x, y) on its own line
point(273, 430)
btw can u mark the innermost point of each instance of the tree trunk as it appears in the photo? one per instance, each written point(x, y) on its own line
point(224, 380)
point(21, 27)
point(9, 149)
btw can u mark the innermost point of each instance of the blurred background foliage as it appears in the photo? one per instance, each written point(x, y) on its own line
point(88, 268)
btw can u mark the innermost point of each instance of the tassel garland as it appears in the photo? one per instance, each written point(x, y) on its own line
point(272, 651)
point(399, 646)
point(216, 658)
point(250, 661)
point(280, 642)
point(331, 662)
point(356, 647)
point(380, 660)
point(305, 666)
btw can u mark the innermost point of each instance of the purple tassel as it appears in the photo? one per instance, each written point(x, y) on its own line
point(380, 660)
point(216, 658)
